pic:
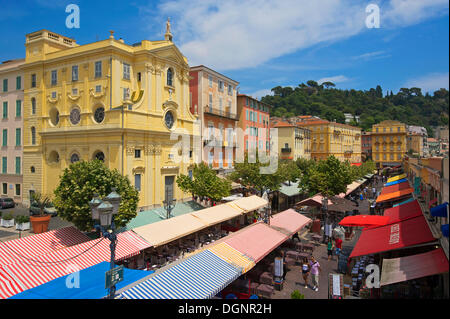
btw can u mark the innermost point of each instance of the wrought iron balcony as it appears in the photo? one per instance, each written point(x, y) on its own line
point(286, 150)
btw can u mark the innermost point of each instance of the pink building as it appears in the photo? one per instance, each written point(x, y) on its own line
point(11, 127)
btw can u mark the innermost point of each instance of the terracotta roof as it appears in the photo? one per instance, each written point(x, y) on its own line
point(282, 124)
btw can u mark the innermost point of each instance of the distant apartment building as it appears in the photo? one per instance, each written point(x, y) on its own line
point(350, 117)
point(213, 98)
point(434, 146)
point(441, 133)
point(366, 145)
point(330, 138)
point(388, 143)
point(11, 129)
point(293, 141)
point(417, 140)
point(254, 120)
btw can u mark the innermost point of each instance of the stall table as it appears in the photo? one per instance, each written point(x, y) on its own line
point(308, 247)
point(266, 278)
point(265, 291)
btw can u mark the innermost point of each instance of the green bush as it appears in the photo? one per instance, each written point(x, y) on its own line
point(22, 219)
point(297, 295)
point(7, 216)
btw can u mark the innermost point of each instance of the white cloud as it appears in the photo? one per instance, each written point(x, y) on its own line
point(234, 34)
point(371, 55)
point(335, 79)
point(430, 82)
point(260, 93)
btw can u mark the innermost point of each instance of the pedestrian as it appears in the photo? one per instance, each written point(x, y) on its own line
point(330, 247)
point(361, 198)
point(305, 271)
point(374, 192)
point(284, 265)
point(338, 244)
point(315, 271)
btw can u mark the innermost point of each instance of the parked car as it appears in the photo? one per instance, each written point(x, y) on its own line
point(6, 202)
point(48, 209)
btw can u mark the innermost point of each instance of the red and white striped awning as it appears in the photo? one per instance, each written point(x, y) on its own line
point(26, 274)
point(40, 244)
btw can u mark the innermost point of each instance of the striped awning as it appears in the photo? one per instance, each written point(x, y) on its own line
point(396, 178)
point(26, 273)
point(232, 256)
point(201, 276)
point(250, 203)
point(40, 244)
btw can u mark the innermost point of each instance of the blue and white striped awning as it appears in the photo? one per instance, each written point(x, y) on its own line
point(201, 276)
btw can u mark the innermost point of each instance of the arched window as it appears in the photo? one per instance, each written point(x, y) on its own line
point(100, 156)
point(53, 157)
point(169, 77)
point(33, 135)
point(33, 105)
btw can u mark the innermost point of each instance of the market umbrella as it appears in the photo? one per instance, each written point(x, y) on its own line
point(364, 221)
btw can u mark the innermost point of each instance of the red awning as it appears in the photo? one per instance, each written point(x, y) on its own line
point(403, 212)
point(394, 195)
point(395, 188)
point(413, 231)
point(412, 267)
point(356, 164)
point(364, 221)
point(26, 274)
point(40, 244)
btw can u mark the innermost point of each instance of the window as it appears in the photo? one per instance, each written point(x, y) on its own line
point(384, 156)
point(230, 90)
point(398, 129)
point(18, 83)
point(98, 69)
point(4, 166)
point(190, 174)
point(220, 103)
point(32, 169)
point(17, 189)
point(33, 80)
point(18, 168)
point(126, 93)
point(18, 136)
point(54, 77)
point(399, 156)
point(98, 88)
point(33, 105)
point(5, 110)
point(126, 71)
point(137, 153)
point(220, 86)
point(5, 85)
point(392, 156)
point(74, 92)
point(99, 114)
point(139, 76)
point(4, 188)
point(18, 108)
point(75, 116)
point(246, 115)
point(74, 158)
point(33, 135)
point(74, 73)
point(169, 77)
point(210, 81)
point(100, 156)
point(5, 137)
point(210, 101)
point(137, 182)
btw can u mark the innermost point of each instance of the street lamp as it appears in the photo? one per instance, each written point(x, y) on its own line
point(102, 214)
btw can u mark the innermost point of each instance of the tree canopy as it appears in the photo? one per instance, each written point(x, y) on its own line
point(409, 105)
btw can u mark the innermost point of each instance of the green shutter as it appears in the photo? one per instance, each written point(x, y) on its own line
point(18, 108)
point(4, 165)
point(5, 110)
point(18, 83)
point(18, 165)
point(5, 137)
point(5, 85)
point(18, 136)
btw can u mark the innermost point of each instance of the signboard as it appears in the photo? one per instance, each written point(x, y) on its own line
point(113, 276)
point(278, 267)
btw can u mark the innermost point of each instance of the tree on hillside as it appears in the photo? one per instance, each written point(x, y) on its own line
point(78, 184)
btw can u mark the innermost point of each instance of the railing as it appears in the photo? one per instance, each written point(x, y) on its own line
point(222, 113)
point(286, 150)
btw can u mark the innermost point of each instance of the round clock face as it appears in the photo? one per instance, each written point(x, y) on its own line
point(75, 116)
point(99, 114)
point(168, 119)
point(74, 158)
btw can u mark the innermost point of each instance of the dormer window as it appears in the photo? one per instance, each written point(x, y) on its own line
point(169, 77)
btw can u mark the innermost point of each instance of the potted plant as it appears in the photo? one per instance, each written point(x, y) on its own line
point(22, 222)
point(40, 222)
point(7, 220)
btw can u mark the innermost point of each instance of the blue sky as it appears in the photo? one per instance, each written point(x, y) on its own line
point(265, 43)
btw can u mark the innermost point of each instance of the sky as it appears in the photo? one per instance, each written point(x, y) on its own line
point(265, 43)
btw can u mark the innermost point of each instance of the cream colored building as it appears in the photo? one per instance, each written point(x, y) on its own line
point(293, 141)
point(388, 143)
point(108, 100)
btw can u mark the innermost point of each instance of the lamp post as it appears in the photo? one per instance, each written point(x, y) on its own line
point(169, 204)
point(103, 215)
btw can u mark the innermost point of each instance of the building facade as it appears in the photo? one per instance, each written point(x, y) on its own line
point(388, 143)
point(214, 99)
point(254, 121)
point(414, 144)
point(366, 145)
point(11, 129)
point(293, 141)
point(330, 138)
point(110, 101)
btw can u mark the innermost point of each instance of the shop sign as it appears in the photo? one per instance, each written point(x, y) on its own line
point(394, 238)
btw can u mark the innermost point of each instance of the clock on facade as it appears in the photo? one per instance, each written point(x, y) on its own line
point(169, 120)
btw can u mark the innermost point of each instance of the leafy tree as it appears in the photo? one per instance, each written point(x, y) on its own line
point(289, 171)
point(78, 184)
point(205, 183)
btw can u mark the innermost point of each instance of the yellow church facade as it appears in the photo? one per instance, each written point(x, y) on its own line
point(127, 105)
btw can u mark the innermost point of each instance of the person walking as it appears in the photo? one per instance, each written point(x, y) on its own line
point(330, 247)
point(338, 244)
point(374, 192)
point(305, 271)
point(315, 271)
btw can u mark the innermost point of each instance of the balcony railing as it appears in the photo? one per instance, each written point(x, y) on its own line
point(286, 150)
point(213, 111)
